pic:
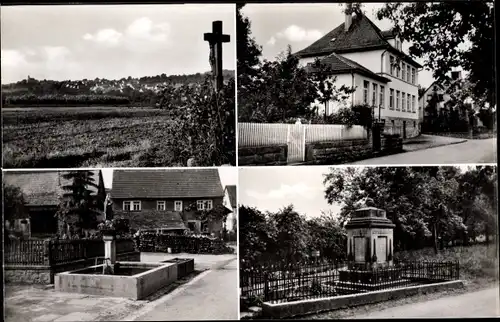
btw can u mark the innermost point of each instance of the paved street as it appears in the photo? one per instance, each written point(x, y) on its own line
point(471, 151)
point(213, 297)
point(484, 303)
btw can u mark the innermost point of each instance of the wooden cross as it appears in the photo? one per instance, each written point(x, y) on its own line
point(215, 40)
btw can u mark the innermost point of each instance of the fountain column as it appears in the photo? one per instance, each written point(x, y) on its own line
point(110, 248)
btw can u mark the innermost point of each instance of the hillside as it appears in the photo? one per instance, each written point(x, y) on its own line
point(125, 91)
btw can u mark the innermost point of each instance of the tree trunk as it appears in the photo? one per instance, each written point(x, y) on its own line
point(434, 233)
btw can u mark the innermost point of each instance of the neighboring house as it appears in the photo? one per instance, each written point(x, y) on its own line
point(42, 194)
point(441, 88)
point(373, 62)
point(168, 199)
point(230, 203)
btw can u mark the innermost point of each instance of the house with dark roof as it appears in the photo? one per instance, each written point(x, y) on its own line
point(373, 62)
point(42, 192)
point(230, 203)
point(168, 200)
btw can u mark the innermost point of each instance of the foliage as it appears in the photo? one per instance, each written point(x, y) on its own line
point(205, 119)
point(427, 204)
point(13, 203)
point(79, 207)
point(149, 242)
point(248, 52)
point(287, 236)
point(448, 35)
point(356, 115)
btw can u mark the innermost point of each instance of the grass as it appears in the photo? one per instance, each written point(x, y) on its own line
point(87, 137)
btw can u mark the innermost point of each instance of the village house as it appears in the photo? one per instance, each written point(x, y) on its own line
point(373, 62)
point(42, 192)
point(168, 200)
point(230, 203)
point(441, 89)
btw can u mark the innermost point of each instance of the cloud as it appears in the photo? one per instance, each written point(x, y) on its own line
point(145, 29)
point(13, 58)
point(108, 36)
point(271, 41)
point(285, 191)
point(295, 33)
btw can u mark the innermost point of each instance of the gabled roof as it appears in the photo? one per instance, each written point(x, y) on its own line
point(231, 192)
point(342, 65)
point(153, 219)
point(42, 188)
point(388, 34)
point(362, 35)
point(166, 183)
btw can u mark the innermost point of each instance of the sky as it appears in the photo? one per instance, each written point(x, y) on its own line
point(274, 26)
point(110, 41)
point(228, 176)
point(272, 188)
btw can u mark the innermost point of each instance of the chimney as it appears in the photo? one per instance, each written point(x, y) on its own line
point(348, 16)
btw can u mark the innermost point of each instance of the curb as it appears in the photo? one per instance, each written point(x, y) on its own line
point(436, 146)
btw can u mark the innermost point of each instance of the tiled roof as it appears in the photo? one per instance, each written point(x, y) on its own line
point(231, 191)
point(41, 188)
point(341, 65)
point(153, 219)
point(166, 183)
point(363, 34)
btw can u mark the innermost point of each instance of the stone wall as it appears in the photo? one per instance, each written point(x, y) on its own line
point(268, 155)
point(391, 144)
point(336, 152)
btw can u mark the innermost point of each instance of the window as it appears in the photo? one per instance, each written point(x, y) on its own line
point(391, 99)
point(408, 73)
point(178, 205)
point(365, 91)
point(374, 94)
point(413, 76)
point(397, 100)
point(204, 204)
point(403, 72)
point(440, 97)
point(408, 103)
point(161, 205)
point(132, 205)
point(413, 103)
point(382, 96)
point(391, 62)
point(398, 68)
point(429, 97)
point(403, 101)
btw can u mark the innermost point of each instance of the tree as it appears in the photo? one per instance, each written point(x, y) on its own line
point(13, 203)
point(327, 236)
point(448, 35)
point(254, 235)
point(248, 52)
point(79, 207)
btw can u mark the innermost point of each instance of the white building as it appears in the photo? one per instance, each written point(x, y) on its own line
point(372, 61)
point(229, 202)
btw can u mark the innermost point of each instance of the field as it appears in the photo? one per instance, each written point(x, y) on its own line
point(49, 137)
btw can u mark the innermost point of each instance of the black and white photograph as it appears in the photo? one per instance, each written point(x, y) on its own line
point(120, 245)
point(366, 83)
point(368, 242)
point(118, 85)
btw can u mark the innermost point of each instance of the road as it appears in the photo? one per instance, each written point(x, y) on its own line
point(471, 151)
point(484, 303)
point(211, 297)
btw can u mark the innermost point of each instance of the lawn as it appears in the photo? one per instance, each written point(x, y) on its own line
point(47, 137)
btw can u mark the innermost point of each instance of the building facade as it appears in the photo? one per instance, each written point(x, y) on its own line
point(373, 62)
point(230, 203)
point(168, 200)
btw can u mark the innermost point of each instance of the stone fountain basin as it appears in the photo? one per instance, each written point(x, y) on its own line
point(141, 280)
point(185, 266)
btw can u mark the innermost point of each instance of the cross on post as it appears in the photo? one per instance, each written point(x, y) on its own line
point(215, 40)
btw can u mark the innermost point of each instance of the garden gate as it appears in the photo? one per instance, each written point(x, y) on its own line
point(296, 143)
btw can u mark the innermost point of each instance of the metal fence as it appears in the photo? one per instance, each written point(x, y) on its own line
point(266, 134)
point(326, 279)
point(53, 252)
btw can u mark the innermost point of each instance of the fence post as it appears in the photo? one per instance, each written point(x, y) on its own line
point(266, 286)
